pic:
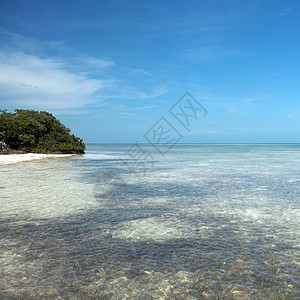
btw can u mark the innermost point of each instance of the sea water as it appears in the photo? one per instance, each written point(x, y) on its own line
point(199, 222)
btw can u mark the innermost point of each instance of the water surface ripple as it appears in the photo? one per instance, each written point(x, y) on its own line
point(205, 222)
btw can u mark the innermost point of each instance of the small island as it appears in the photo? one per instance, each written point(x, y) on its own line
point(30, 131)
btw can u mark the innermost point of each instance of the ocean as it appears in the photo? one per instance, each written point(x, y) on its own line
point(216, 221)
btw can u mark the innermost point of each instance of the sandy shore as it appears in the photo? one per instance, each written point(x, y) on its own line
point(16, 158)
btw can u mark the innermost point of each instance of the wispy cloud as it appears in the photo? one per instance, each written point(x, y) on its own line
point(257, 98)
point(70, 112)
point(121, 91)
point(66, 82)
point(31, 81)
point(207, 54)
point(292, 115)
point(274, 74)
point(285, 11)
point(142, 108)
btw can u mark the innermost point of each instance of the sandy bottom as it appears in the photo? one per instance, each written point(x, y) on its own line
point(16, 158)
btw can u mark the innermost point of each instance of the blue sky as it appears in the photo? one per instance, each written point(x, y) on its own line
point(110, 69)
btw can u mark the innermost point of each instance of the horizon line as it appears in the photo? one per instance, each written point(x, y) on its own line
point(237, 143)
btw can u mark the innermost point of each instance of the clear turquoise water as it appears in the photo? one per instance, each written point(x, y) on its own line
point(201, 222)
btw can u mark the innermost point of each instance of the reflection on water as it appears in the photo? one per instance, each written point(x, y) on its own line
point(205, 222)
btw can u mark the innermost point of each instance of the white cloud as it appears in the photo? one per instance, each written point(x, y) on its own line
point(32, 81)
point(50, 75)
point(143, 107)
point(125, 92)
point(257, 98)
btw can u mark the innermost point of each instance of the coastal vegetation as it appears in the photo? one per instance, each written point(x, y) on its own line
point(36, 131)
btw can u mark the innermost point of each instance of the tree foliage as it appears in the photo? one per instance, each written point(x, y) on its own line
point(36, 131)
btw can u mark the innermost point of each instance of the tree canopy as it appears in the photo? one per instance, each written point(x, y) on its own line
point(36, 131)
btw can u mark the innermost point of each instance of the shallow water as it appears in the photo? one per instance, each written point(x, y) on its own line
point(203, 221)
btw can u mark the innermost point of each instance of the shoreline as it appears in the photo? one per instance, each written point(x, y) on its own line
point(8, 159)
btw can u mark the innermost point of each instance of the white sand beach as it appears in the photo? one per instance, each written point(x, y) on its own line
point(16, 158)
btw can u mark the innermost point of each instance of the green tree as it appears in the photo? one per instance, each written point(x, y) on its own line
point(36, 131)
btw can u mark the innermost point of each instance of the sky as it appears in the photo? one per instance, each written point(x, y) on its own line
point(110, 70)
